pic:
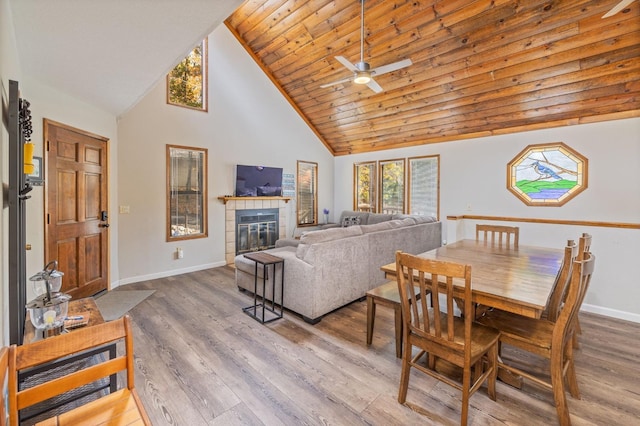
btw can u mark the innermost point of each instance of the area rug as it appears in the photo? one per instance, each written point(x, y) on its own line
point(116, 303)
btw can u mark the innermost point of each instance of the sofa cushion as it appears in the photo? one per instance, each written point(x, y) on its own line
point(382, 226)
point(287, 242)
point(424, 219)
point(402, 223)
point(378, 217)
point(321, 236)
point(314, 237)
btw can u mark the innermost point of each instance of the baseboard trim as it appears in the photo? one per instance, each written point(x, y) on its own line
point(165, 274)
point(614, 313)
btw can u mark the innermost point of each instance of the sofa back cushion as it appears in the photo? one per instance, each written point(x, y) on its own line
point(378, 217)
point(331, 234)
point(316, 237)
point(424, 219)
point(376, 227)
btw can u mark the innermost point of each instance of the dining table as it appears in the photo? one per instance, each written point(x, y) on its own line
point(517, 280)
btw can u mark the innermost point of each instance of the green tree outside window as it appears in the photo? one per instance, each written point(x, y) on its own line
point(187, 82)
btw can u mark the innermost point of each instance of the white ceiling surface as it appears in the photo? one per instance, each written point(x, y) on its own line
point(110, 53)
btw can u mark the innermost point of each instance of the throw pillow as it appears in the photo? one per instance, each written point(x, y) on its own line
point(350, 221)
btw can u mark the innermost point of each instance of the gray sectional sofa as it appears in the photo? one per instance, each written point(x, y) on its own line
point(329, 268)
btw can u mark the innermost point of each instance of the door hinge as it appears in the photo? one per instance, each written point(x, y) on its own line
point(47, 146)
point(48, 219)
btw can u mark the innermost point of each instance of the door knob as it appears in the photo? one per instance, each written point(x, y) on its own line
point(104, 225)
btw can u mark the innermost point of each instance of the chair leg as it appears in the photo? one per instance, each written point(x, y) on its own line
point(493, 363)
point(398, 320)
point(577, 331)
point(466, 386)
point(572, 380)
point(371, 317)
point(404, 375)
point(557, 383)
point(431, 361)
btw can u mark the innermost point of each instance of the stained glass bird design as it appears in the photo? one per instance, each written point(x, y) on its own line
point(544, 171)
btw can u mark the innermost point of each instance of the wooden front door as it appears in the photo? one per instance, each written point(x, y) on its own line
point(76, 211)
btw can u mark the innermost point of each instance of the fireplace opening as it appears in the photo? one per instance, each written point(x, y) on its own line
point(256, 229)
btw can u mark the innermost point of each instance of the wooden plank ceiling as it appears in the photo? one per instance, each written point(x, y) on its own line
point(479, 67)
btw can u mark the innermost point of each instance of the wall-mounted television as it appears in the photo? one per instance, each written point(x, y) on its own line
point(258, 181)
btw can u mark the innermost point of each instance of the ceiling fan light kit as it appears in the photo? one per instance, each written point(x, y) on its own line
point(362, 78)
point(362, 71)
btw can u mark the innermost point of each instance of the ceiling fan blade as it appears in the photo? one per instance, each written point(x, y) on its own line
point(391, 67)
point(373, 85)
point(348, 65)
point(344, 80)
point(617, 8)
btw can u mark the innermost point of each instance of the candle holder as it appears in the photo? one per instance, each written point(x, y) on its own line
point(49, 309)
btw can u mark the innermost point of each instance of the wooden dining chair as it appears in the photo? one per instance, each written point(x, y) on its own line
point(498, 235)
point(441, 335)
point(584, 248)
point(584, 245)
point(561, 284)
point(4, 370)
point(120, 407)
point(551, 340)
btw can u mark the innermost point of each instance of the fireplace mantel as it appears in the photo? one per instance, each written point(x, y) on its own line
point(226, 198)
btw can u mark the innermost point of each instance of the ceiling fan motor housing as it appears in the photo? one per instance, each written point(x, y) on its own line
point(363, 66)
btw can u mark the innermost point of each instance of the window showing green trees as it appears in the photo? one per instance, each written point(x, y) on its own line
point(365, 187)
point(307, 184)
point(388, 187)
point(392, 186)
point(187, 82)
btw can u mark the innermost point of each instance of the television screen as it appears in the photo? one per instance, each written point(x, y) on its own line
point(258, 181)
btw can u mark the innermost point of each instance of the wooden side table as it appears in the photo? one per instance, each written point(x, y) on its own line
point(85, 306)
point(260, 311)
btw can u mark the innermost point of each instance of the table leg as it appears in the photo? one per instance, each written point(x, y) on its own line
point(371, 317)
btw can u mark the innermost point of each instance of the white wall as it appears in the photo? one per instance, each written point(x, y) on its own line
point(9, 70)
point(473, 172)
point(49, 103)
point(248, 122)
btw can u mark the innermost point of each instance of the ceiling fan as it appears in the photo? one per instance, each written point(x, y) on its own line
point(362, 71)
point(617, 8)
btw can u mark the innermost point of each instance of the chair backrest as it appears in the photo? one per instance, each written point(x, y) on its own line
point(498, 235)
point(557, 295)
point(584, 245)
point(440, 327)
point(57, 347)
point(4, 369)
point(581, 273)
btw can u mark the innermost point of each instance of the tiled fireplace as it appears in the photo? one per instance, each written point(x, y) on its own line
point(233, 204)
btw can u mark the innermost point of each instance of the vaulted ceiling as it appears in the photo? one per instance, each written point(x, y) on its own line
point(480, 67)
point(110, 53)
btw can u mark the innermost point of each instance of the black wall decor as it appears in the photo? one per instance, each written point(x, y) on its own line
point(20, 129)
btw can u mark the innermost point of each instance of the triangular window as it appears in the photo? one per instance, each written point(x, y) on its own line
point(187, 82)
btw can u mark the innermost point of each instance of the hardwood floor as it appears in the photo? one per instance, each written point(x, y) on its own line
point(201, 361)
